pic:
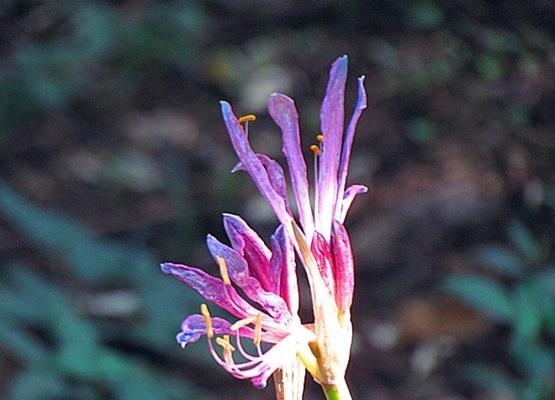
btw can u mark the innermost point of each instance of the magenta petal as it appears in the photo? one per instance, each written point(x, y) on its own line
point(348, 144)
point(247, 243)
point(283, 112)
point(331, 117)
point(211, 288)
point(275, 174)
point(283, 266)
point(322, 254)
point(348, 198)
point(343, 267)
point(239, 274)
point(194, 326)
point(252, 164)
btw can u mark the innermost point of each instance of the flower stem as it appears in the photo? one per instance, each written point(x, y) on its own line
point(339, 391)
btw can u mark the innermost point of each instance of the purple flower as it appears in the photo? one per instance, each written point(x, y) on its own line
point(267, 276)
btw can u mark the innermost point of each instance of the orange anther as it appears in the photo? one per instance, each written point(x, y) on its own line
point(247, 118)
point(320, 138)
point(315, 149)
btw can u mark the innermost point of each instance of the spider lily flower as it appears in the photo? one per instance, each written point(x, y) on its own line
point(267, 279)
point(320, 239)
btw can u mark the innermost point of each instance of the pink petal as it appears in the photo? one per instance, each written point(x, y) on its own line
point(283, 265)
point(331, 117)
point(348, 198)
point(252, 164)
point(211, 288)
point(239, 274)
point(283, 112)
point(322, 253)
point(344, 274)
point(247, 243)
point(347, 145)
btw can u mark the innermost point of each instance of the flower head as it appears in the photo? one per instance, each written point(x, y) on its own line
point(267, 276)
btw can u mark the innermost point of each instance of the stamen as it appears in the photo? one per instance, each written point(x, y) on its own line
point(320, 138)
point(247, 118)
point(258, 330)
point(243, 322)
point(223, 270)
point(207, 320)
point(225, 343)
point(315, 149)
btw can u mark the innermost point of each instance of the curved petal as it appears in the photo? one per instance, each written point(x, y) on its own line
point(343, 264)
point(347, 145)
point(275, 174)
point(322, 254)
point(348, 198)
point(239, 274)
point(211, 288)
point(247, 243)
point(252, 164)
point(332, 119)
point(283, 267)
point(283, 112)
point(194, 326)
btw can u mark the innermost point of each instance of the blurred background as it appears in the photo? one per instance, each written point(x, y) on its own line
point(113, 158)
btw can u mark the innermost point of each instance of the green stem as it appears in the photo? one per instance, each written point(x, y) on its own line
point(339, 391)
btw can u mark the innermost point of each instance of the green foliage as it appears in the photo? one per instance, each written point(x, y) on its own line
point(65, 352)
point(526, 303)
point(46, 75)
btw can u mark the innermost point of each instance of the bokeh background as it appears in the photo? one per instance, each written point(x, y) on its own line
point(113, 158)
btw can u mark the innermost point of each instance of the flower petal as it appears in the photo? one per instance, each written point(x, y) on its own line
point(247, 243)
point(194, 326)
point(283, 112)
point(344, 274)
point(283, 265)
point(252, 164)
point(322, 254)
point(275, 174)
point(211, 288)
point(332, 118)
point(239, 274)
point(348, 198)
point(347, 145)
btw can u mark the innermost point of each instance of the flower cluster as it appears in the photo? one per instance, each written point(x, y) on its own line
point(258, 283)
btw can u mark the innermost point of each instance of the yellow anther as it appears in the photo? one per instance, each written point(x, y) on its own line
point(257, 330)
point(315, 149)
point(320, 138)
point(225, 343)
point(207, 320)
point(247, 118)
point(223, 269)
point(242, 323)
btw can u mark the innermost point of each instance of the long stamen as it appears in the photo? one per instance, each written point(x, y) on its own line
point(223, 270)
point(245, 120)
point(317, 151)
point(243, 322)
point(258, 330)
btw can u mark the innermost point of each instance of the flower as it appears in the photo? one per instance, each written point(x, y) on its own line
point(266, 276)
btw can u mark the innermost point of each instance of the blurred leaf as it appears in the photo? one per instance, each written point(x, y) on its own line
point(491, 378)
point(524, 241)
point(500, 259)
point(21, 344)
point(481, 293)
point(39, 385)
point(527, 313)
point(536, 360)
